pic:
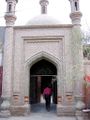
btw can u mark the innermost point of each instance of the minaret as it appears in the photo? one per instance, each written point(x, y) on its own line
point(75, 12)
point(77, 57)
point(10, 12)
point(8, 58)
point(44, 4)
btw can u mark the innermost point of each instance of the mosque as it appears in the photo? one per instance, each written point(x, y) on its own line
point(40, 53)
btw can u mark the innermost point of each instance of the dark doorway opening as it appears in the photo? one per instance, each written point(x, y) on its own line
point(42, 74)
point(45, 81)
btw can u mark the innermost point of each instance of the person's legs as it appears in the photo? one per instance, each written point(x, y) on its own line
point(48, 103)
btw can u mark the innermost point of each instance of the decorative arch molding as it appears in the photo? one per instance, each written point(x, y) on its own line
point(34, 59)
point(43, 55)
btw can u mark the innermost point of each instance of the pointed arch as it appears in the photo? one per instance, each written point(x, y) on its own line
point(43, 55)
point(58, 63)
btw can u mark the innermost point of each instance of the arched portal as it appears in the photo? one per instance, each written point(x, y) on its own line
point(42, 74)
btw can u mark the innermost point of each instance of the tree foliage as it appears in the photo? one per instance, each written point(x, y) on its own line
point(86, 45)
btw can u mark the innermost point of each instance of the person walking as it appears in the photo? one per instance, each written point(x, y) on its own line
point(47, 96)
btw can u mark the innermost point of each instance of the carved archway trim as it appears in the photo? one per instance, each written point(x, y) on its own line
point(43, 55)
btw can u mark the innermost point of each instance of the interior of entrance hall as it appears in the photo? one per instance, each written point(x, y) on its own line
point(42, 74)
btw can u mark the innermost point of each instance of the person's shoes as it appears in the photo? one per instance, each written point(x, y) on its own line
point(48, 109)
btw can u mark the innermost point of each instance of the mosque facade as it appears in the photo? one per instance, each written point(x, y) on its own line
point(40, 53)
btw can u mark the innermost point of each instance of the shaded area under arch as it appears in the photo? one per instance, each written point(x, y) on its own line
point(43, 67)
point(42, 74)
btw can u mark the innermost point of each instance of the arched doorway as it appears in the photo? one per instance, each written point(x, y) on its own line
point(42, 73)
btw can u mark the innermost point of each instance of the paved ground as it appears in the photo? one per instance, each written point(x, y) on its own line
point(39, 113)
point(39, 117)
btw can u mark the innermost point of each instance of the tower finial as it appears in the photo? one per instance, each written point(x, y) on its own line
point(44, 4)
point(75, 12)
point(10, 16)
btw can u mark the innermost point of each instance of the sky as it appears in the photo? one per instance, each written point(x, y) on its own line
point(58, 9)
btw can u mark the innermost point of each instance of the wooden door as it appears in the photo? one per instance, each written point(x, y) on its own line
point(54, 92)
point(33, 90)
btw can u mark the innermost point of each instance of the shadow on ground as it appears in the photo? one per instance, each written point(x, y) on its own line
point(40, 108)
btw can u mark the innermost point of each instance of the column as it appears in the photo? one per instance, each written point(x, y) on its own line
point(26, 89)
point(78, 73)
point(60, 89)
point(7, 72)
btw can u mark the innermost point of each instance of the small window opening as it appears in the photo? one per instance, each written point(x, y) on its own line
point(10, 8)
point(76, 6)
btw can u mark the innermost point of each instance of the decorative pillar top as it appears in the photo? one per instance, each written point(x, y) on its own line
point(10, 12)
point(10, 0)
point(74, 5)
point(44, 4)
point(75, 12)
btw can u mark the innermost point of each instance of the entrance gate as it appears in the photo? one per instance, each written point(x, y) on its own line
point(42, 73)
